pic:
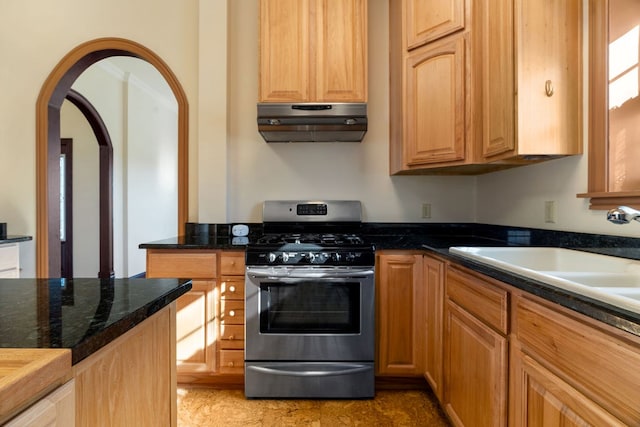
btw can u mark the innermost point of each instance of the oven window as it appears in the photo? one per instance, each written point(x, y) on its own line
point(310, 307)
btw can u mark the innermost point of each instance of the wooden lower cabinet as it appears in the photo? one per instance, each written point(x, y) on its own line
point(55, 409)
point(399, 314)
point(433, 314)
point(210, 319)
point(196, 328)
point(543, 399)
point(132, 380)
point(475, 351)
point(568, 369)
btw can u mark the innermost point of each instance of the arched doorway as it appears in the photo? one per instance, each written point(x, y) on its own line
point(52, 95)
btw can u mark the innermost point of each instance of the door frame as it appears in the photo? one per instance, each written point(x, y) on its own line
point(105, 185)
point(52, 94)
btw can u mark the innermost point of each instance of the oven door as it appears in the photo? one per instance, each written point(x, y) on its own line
point(309, 314)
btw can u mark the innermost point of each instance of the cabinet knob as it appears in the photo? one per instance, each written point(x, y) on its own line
point(231, 337)
point(232, 313)
point(232, 288)
point(230, 364)
point(548, 88)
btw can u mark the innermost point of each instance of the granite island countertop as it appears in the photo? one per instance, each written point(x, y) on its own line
point(80, 314)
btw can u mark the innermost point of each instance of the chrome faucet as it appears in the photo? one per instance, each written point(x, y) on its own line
point(623, 215)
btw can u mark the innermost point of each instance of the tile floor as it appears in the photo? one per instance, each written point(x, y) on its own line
point(198, 407)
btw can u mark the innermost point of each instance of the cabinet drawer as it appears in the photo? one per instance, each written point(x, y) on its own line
point(12, 273)
point(479, 297)
point(9, 255)
point(232, 312)
point(232, 263)
point(592, 360)
point(189, 264)
point(231, 337)
point(231, 361)
point(232, 288)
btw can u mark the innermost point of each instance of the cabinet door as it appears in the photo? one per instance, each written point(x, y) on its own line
point(495, 53)
point(433, 287)
point(428, 20)
point(541, 399)
point(549, 51)
point(341, 51)
point(400, 335)
point(475, 365)
point(195, 328)
point(284, 50)
point(435, 104)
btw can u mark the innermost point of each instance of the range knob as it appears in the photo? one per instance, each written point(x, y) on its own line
point(336, 257)
point(285, 257)
point(272, 257)
point(311, 257)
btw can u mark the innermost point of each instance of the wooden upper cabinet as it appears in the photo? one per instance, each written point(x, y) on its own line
point(284, 50)
point(533, 106)
point(549, 46)
point(514, 96)
point(428, 20)
point(313, 51)
point(497, 79)
point(435, 104)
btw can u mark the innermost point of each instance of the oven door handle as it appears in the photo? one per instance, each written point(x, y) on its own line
point(307, 274)
point(342, 370)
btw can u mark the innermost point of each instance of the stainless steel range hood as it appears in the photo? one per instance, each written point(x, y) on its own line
point(312, 122)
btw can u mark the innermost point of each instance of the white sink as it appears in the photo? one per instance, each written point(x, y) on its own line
point(605, 278)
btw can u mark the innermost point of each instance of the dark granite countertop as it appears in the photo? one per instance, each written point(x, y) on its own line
point(14, 239)
point(80, 314)
point(438, 237)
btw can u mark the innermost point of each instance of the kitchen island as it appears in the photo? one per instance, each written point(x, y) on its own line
point(110, 341)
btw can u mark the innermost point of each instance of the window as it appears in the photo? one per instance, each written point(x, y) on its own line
point(614, 105)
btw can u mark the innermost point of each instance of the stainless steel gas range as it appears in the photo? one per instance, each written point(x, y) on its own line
point(309, 303)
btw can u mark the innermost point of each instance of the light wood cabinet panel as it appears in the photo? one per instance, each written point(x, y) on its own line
point(520, 59)
point(284, 50)
point(55, 409)
point(495, 56)
point(549, 70)
point(232, 362)
point(435, 104)
point(598, 361)
point(533, 68)
point(480, 296)
point(183, 263)
point(232, 263)
point(428, 20)
point(313, 51)
point(341, 51)
point(545, 400)
point(399, 313)
point(475, 350)
point(475, 392)
point(433, 300)
point(131, 381)
point(195, 331)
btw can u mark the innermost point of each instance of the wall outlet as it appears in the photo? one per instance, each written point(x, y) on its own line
point(550, 211)
point(426, 210)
